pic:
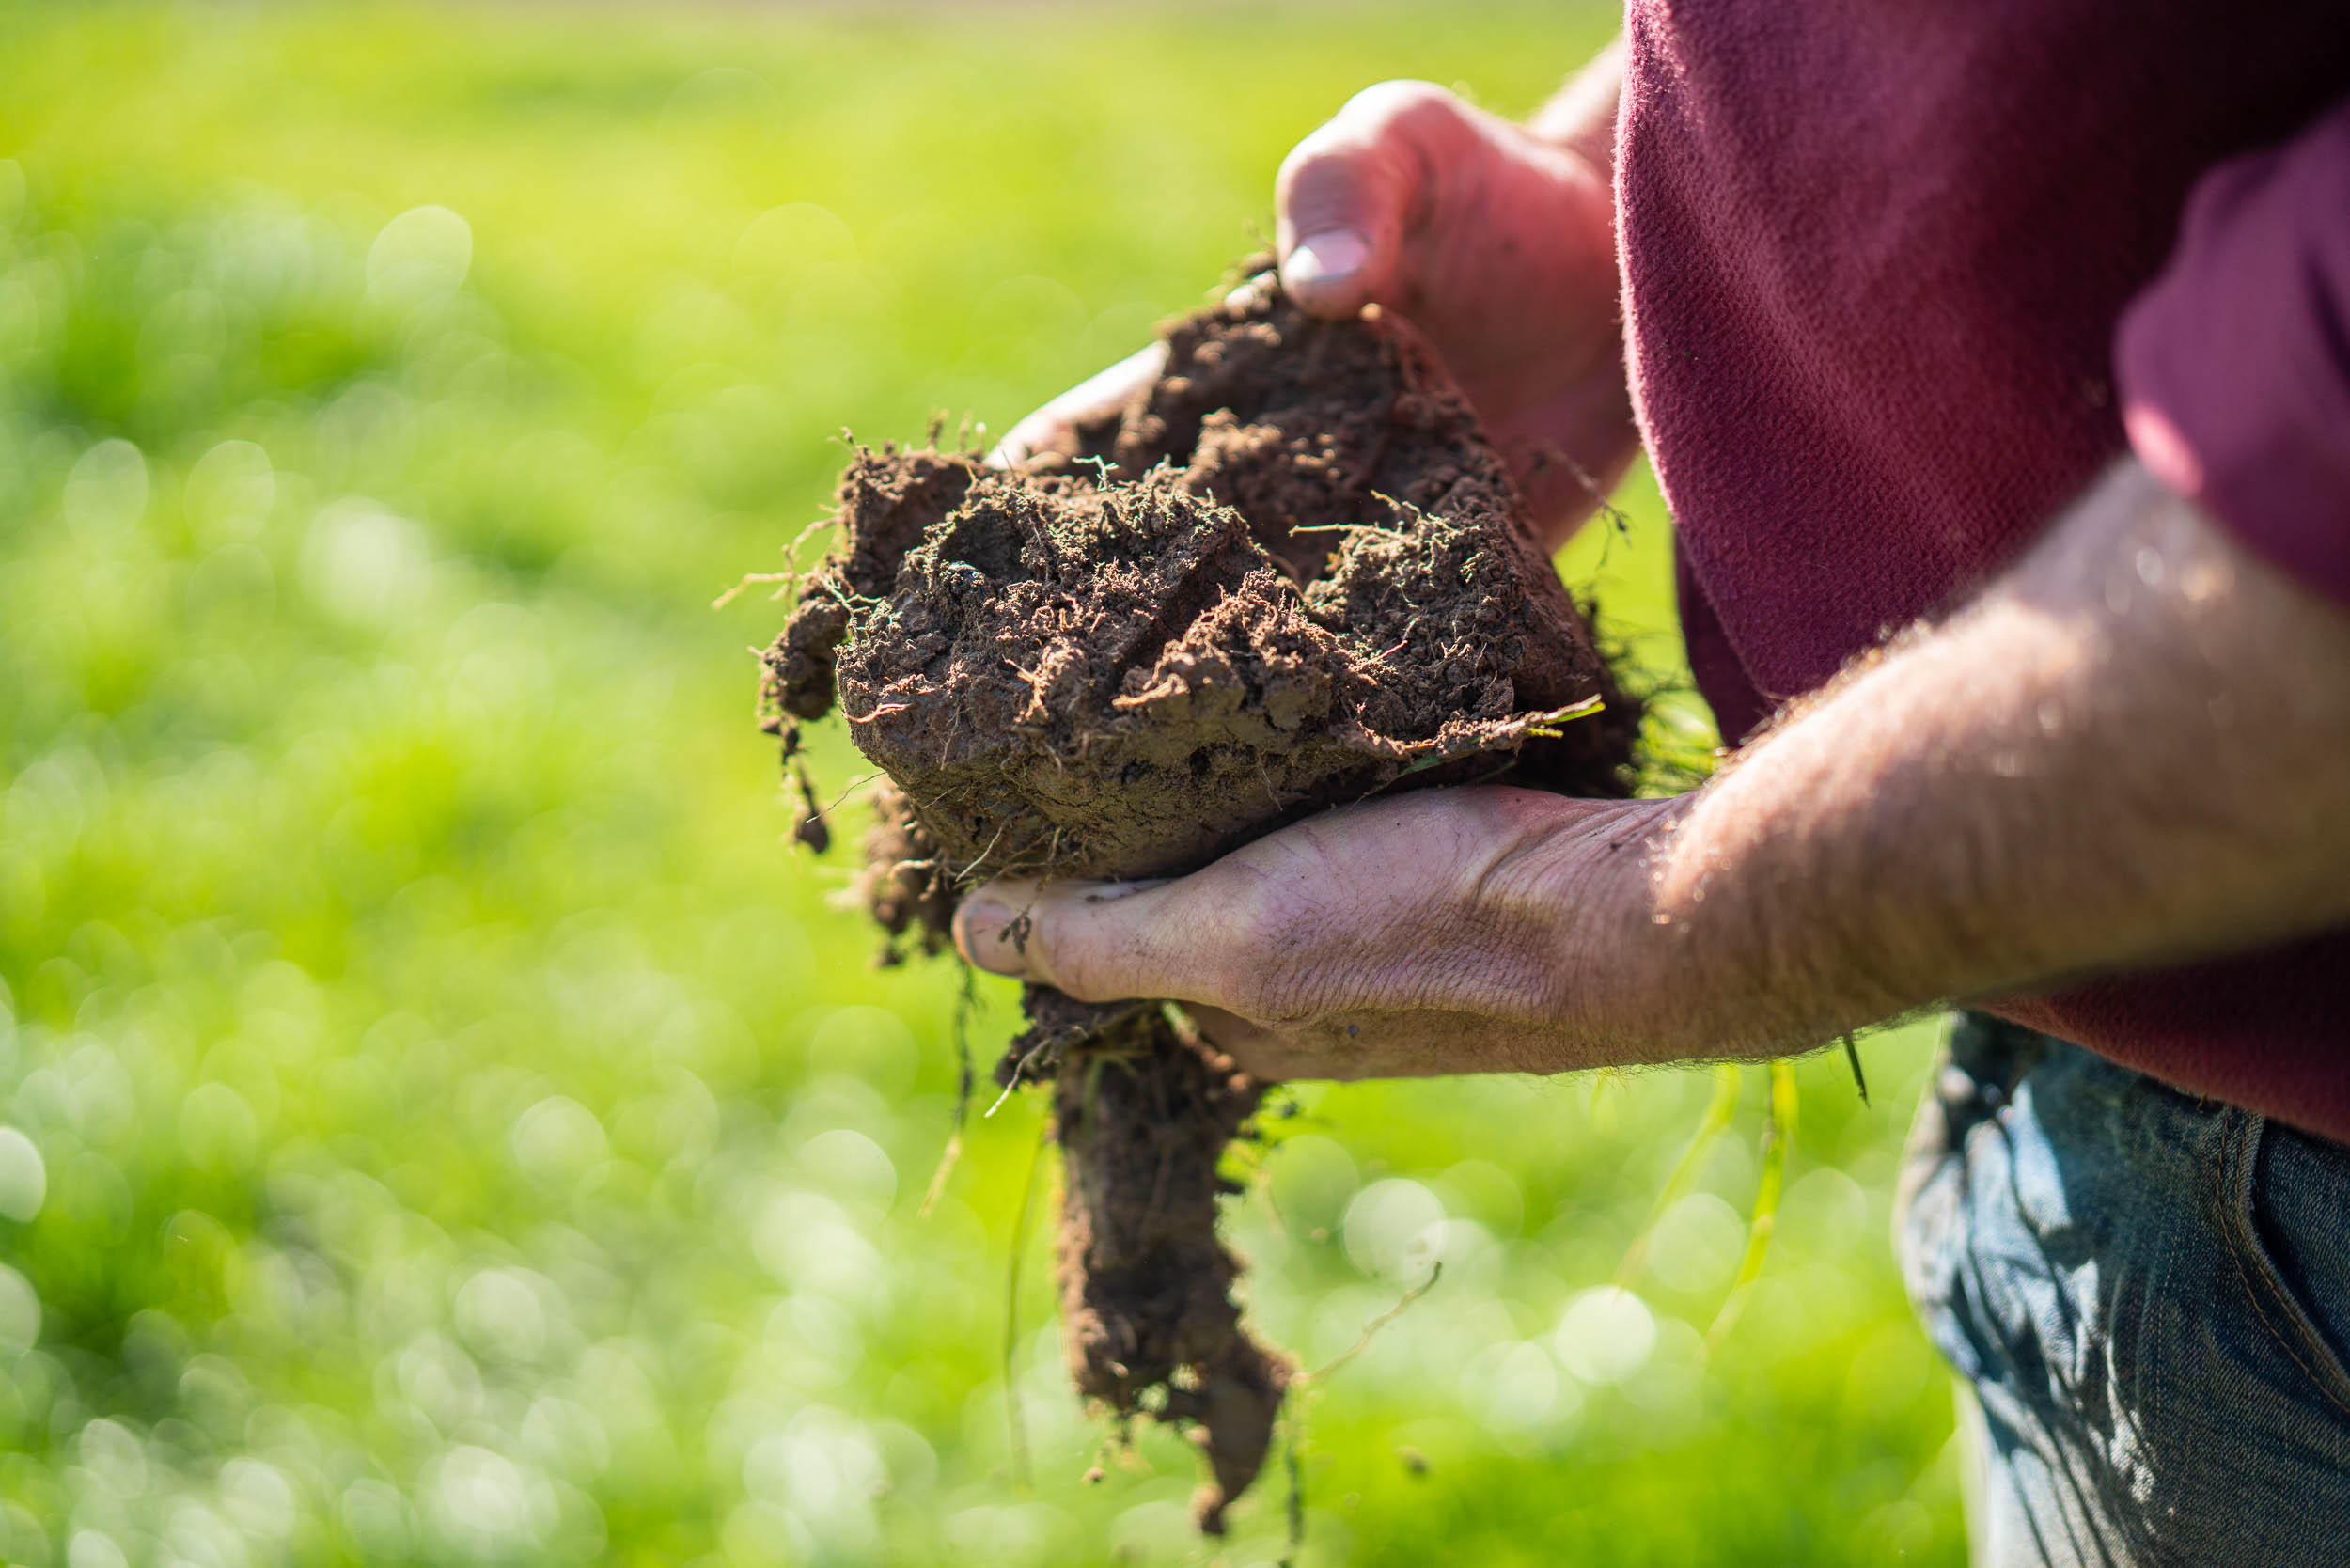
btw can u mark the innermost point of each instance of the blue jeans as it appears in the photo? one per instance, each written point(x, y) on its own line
point(2150, 1297)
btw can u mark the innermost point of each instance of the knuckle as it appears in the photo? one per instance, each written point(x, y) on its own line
point(1290, 975)
point(1236, 972)
point(1361, 150)
point(1070, 956)
point(1295, 997)
point(1386, 104)
point(1241, 967)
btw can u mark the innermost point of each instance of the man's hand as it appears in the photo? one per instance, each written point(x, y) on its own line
point(1500, 246)
point(1495, 239)
point(1426, 932)
point(2132, 749)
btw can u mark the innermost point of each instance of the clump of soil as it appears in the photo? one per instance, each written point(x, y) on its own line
point(1144, 1112)
point(1288, 574)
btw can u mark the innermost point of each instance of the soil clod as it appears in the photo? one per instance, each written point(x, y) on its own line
point(1288, 574)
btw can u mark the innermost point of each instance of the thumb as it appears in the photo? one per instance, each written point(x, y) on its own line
point(1349, 194)
point(1093, 940)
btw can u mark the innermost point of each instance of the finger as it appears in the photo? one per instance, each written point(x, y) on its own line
point(1103, 393)
point(993, 928)
point(1087, 938)
point(1294, 921)
point(1349, 194)
point(1091, 939)
point(1282, 924)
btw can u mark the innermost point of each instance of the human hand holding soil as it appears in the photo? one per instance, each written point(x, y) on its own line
point(1495, 240)
point(1794, 896)
point(1443, 931)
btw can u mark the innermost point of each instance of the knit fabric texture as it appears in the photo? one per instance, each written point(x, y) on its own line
point(1876, 255)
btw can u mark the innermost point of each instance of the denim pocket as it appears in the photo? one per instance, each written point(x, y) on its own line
point(2286, 1216)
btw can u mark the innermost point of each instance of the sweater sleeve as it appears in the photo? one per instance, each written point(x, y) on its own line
point(2234, 364)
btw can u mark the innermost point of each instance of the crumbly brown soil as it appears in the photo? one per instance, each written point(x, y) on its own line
point(1144, 1112)
point(1289, 575)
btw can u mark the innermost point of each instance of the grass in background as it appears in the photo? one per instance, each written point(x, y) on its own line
point(441, 1119)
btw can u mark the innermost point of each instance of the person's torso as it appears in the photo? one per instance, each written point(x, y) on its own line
point(1874, 255)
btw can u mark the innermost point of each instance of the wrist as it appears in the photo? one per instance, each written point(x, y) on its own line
point(1581, 116)
point(1631, 983)
point(1669, 956)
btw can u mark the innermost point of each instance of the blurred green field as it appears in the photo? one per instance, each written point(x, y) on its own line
point(441, 1119)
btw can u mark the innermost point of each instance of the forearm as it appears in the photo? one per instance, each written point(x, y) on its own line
point(1581, 116)
point(2134, 747)
point(1581, 120)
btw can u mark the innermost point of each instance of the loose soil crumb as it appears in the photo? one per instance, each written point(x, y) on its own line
point(903, 885)
point(1288, 574)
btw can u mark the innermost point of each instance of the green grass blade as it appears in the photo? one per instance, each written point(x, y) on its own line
point(1718, 1110)
point(1779, 1142)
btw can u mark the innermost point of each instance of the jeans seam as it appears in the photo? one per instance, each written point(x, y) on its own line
point(2231, 1183)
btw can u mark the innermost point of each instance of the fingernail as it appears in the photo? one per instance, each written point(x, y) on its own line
point(1330, 257)
point(992, 934)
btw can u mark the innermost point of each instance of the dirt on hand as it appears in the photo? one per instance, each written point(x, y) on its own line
point(1289, 575)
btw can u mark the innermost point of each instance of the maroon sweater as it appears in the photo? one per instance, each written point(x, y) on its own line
point(1897, 271)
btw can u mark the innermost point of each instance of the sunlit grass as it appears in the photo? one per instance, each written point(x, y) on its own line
point(453, 1124)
